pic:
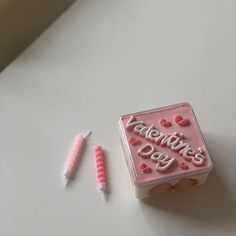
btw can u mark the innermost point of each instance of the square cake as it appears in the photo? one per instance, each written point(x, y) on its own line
point(164, 149)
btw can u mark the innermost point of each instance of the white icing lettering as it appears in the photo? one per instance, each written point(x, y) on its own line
point(160, 137)
point(173, 141)
point(138, 128)
point(188, 153)
point(148, 131)
point(198, 159)
point(179, 146)
point(156, 156)
point(163, 161)
point(153, 134)
point(165, 140)
point(146, 150)
point(133, 122)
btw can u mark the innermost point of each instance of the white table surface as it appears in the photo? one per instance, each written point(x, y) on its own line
point(102, 59)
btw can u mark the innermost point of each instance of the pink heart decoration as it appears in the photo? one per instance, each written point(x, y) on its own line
point(134, 141)
point(182, 121)
point(183, 166)
point(165, 123)
point(144, 168)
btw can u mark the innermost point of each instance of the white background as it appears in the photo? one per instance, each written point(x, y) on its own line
point(102, 59)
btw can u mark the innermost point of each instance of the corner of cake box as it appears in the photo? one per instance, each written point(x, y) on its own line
point(210, 167)
point(140, 191)
point(120, 119)
point(138, 183)
point(187, 104)
point(120, 122)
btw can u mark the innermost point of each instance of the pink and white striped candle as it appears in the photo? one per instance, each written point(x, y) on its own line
point(100, 169)
point(73, 158)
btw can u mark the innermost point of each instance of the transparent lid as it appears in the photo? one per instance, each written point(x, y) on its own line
point(163, 144)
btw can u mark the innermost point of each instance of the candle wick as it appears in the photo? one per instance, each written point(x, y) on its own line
point(102, 193)
point(87, 134)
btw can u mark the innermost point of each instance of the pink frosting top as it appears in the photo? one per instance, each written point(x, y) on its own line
point(164, 144)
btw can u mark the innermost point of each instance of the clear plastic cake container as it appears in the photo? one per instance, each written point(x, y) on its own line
point(164, 150)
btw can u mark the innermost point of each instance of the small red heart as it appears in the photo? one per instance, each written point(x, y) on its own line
point(134, 141)
point(184, 166)
point(178, 119)
point(144, 168)
point(182, 121)
point(147, 170)
point(131, 139)
point(165, 123)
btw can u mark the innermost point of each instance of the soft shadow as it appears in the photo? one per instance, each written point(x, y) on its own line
point(211, 203)
point(21, 22)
